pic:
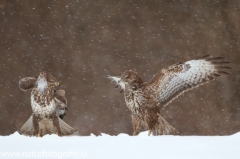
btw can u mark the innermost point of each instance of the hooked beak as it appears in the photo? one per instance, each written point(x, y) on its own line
point(56, 84)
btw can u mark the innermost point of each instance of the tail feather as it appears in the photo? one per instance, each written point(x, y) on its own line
point(65, 128)
point(27, 129)
point(164, 128)
point(46, 126)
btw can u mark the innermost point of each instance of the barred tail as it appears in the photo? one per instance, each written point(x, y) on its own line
point(163, 128)
point(27, 129)
point(34, 127)
point(65, 128)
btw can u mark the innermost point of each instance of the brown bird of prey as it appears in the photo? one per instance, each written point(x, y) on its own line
point(146, 99)
point(48, 105)
point(28, 83)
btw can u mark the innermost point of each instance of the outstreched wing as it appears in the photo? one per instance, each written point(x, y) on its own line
point(27, 83)
point(59, 96)
point(118, 83)
point(174, 80)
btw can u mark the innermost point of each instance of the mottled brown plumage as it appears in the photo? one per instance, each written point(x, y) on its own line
point(28, 83)
point(46, 103)
point(146, 99)
point(61, 102)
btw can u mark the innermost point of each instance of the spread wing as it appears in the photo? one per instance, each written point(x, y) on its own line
point(61, 101)
point(27, 83)
point(174, 80)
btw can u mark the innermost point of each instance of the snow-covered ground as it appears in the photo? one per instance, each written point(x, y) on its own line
point(121, 147)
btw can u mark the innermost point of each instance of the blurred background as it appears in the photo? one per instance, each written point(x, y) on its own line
point(80, 42)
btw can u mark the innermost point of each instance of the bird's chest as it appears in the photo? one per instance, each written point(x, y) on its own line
point(135, 101)
point(42, 104)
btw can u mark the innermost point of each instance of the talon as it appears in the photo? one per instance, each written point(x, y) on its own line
point(39, 135)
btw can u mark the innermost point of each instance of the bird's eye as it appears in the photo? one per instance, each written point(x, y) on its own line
point(127, 76)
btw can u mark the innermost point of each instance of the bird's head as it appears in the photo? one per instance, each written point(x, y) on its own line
point(46, 80)
point(130, 77)
point(128, 80)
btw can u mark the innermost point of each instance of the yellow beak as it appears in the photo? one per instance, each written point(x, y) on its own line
point(57, 83)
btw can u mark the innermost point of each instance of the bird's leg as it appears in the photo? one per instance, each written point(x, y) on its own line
point(134, 133)
point(149, 132)
point(36, 126)
point(56, 125)
point(136, 123)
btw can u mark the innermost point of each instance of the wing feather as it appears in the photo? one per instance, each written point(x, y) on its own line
point(27, 83)
point(174, 80)
point(61, 102)
point(60, 96)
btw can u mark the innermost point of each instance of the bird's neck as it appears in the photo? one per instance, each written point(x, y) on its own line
point(42, 85)
point(133, 86)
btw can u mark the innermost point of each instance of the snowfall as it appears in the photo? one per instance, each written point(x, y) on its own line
point(121, 146)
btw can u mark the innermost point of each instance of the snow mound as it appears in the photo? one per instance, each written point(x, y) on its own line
point(121, 146)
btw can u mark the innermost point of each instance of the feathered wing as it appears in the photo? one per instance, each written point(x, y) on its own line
point(174, 80)
point(59, 96)
point(27, 83)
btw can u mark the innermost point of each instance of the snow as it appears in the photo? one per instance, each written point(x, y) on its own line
point(122, 146)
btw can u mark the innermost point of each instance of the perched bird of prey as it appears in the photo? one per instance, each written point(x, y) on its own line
point(28, 83)
point(48, 105)
point(146, 99)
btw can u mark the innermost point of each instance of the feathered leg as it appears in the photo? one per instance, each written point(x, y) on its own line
point(162, 127)
point(56, 125)
point(157, 125)
point(40, 126)
point(136, 123)
point(35, 121)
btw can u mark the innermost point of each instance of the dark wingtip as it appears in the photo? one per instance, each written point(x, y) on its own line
point(215, 58)
point(223, 73)
point(223, 67)
point(203, 57)
point(216, 75)
point(220, 62)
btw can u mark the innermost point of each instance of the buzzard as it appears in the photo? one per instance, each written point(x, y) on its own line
point(28, 83)
point(146, 99)
point(48, 105)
